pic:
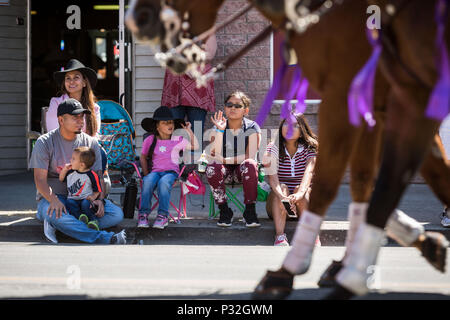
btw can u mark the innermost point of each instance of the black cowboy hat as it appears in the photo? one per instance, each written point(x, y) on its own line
point(73, 65)
point(163, 113)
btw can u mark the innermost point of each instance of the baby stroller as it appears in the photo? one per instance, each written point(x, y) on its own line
point(117, 139)
point(116, 134)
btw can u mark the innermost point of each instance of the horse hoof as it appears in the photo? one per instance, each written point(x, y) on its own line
point(339, 293)
point(275, 285)
point(328, 278)
point(434, 249)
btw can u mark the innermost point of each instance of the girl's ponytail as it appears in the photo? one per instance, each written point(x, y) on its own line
point(151, 150)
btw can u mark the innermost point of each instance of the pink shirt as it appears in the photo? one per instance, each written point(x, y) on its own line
point(51, 119)
point(167, 153)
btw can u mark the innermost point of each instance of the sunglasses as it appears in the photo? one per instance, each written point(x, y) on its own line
point(235, 105)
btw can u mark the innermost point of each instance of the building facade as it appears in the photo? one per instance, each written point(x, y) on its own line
point(26, 48)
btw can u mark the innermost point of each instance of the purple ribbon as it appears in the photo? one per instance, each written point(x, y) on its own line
point(301, 96)
point(298, 88)
point(360, 96)
point(286, 109)
point(439, 102)
point(271, 95)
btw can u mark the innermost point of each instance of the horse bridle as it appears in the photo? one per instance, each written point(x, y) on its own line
point(299, 19)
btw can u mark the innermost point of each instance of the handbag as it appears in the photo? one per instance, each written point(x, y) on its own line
point(194, 184)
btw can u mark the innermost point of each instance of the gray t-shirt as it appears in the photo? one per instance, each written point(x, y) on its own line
point(235, 145)
point(51, 152)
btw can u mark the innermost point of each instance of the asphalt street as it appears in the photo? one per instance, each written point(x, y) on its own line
point(78, 271)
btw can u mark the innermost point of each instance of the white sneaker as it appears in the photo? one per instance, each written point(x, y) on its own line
point(445, 221)
point(281, 241)
point(50, 232)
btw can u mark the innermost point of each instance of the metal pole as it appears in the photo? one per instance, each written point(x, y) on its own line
point(28, 123)
point(121, 48)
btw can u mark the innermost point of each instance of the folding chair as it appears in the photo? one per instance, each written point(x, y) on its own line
point(181, 210)
point(232, 196)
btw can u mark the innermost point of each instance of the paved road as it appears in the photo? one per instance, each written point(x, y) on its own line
point(37, 270)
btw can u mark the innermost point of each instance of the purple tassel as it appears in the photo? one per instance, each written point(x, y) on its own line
point(286, 110)
point(439, 103)
point(301, 96)
point(299, 86)
point(271, 95)
point(360, 96)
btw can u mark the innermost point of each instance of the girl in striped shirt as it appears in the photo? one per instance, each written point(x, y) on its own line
point(289, 165)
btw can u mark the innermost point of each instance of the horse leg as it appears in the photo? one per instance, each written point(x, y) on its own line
point(408, 137)
point(364, 164)
point(336, 140)
point(436, 172)
point(400, 227)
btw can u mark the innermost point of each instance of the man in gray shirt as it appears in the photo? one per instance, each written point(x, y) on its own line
point(50, 153)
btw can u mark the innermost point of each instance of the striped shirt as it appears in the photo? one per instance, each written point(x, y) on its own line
point(290, 170)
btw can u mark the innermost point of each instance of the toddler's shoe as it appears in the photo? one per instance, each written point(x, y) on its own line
point(143, 220)
point(119, 238)
point(93, 225)
point(83, 218)
point(161, 222)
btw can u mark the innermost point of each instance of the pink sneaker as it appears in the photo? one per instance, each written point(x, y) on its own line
point(161, 222)
point(143, 220)
point(318, 243)
point(281, 241)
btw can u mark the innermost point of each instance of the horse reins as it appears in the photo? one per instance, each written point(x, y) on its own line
point(222, 66)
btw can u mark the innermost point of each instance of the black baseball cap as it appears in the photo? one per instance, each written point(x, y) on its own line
point(71, 106)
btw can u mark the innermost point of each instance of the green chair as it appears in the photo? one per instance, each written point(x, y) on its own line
point(232, 196)
point(262, 195)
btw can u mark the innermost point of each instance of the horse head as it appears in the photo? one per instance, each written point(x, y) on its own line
point(170, 24)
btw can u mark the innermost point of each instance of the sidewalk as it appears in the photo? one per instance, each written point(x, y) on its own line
point(18, 208)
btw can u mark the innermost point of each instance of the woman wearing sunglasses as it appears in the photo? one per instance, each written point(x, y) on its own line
point(235, 142)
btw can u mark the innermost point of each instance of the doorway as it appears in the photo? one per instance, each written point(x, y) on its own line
point(84, 30)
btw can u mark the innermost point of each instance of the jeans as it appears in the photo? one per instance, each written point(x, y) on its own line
point(194, 116)
point(163, 182)
point(78, 207)
point(76, 229)
point(104, 158)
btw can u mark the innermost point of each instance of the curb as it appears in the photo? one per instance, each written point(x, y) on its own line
point(193, 231)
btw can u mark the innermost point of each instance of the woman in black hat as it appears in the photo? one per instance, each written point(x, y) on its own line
point(76, 81)
point(159, 160)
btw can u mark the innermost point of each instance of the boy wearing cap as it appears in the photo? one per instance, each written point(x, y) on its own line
point(51, 153)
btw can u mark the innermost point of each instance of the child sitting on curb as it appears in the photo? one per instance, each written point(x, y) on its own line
point(83, 186)
point(160, 163)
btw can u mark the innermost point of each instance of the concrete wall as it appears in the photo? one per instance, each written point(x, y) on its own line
point(13, 88)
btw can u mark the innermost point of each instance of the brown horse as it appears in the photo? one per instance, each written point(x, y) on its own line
point(331, 75)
